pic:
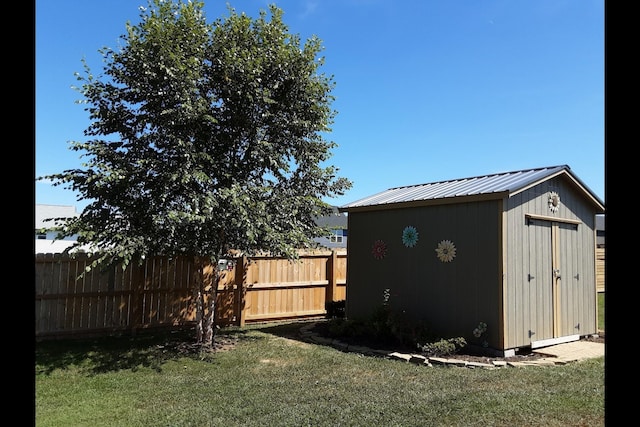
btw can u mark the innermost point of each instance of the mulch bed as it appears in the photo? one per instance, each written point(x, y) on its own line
point(469, 353)
point(225, 342)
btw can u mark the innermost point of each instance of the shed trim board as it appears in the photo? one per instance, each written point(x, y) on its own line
point(529, 216)
point(503, 271)
point(554, 341)
point(579, 184)
point(422, 203)
point(525, 260)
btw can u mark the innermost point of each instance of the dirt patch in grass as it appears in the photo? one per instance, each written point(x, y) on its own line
point(221, 342)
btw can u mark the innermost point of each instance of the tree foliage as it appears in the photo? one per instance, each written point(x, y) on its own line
point(204, 138)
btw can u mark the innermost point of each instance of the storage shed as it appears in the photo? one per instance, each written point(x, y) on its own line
point(505, 260)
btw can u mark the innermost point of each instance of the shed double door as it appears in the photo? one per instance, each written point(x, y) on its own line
point(554, 283)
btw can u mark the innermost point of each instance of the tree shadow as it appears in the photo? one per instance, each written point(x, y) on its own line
point(116, 353)
point(286, 329)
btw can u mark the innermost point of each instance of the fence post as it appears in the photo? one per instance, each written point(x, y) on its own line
point(138, 283)
point(332, 276)
point(238, 285)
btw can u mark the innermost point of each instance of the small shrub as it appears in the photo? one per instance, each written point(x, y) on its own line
point(387, 328)
point(444, 347)
point(335, 309)
point(340, 327)
point(384, 326)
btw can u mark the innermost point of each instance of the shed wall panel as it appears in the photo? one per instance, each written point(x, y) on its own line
point(451, 297)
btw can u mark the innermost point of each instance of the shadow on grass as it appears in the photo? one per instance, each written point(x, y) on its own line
point(284, 329)
point(109, 354)
point(321, 328)
point(291, 330)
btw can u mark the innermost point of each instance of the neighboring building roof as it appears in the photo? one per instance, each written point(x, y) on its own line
point(334, 220)
point(48, 246)
point(52, 211)
point(600, 230)
point(496, 185)
point(52, 246)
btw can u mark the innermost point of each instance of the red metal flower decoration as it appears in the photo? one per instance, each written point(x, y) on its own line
point(379, 249)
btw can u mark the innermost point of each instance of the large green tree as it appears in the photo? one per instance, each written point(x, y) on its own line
point(204, 138)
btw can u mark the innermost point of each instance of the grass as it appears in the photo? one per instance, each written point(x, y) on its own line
point(601, 311)
point(271, 378)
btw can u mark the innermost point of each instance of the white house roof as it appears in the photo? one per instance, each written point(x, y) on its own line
point(52, 211)
point(52, 246)
point(497, 184)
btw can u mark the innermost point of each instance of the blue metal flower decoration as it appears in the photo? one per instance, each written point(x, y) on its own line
point(410, 236)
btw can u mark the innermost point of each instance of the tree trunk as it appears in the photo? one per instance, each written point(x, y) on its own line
point(205, 310)
point(210, 325)
point(198, 294)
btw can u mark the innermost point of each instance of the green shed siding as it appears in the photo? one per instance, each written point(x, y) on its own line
point(452, 298)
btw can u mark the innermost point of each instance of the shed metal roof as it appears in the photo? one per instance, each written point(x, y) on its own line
point(504, 184)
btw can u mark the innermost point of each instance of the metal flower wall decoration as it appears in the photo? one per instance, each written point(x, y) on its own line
point(409, 236)
point(554, 201)
point(379, 249)
point(446, 251)
point(480, 329)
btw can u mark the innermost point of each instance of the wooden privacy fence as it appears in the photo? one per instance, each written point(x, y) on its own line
point(159, 293)
point(600, 282)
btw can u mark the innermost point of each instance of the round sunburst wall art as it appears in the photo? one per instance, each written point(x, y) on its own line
point(446, 251)
point(554, 201)
point(409, 236)
point(379, 249)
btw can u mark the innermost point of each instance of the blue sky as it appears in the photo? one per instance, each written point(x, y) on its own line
point(426, 90)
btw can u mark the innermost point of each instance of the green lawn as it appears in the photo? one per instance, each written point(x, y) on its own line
point(271, 379)
point(601, 311)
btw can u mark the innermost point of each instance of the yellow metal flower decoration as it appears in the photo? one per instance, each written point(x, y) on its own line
point(554, 201)
point(446, 251)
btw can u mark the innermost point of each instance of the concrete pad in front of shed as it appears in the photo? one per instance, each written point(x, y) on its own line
point(575, 350)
